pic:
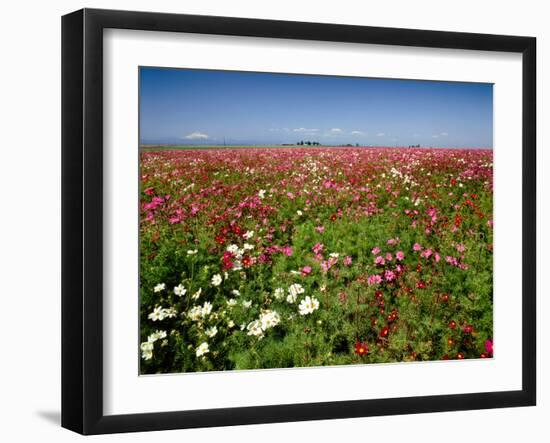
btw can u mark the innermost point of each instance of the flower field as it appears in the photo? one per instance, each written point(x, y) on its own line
point(292, 257)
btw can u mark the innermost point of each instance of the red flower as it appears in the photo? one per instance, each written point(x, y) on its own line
point(452, 324)
point(361, 348)
point(384, 332)
point(460, 356)
point(467, 329)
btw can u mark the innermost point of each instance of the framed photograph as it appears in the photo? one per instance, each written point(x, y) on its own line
point(268, 221)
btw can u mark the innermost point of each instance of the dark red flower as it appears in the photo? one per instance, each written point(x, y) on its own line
point(384, 332)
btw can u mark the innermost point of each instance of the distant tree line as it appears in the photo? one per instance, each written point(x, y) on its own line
point(308, 143)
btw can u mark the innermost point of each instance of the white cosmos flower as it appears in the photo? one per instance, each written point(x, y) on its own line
point(195, 313)
point(157, 335)
point(248, 235)
point(216, 280)
point(334, 255)
point(269, 319)
point(157, 314)
point(299, 212)
point(255, 328)
point(308, 305)
point(261, 193)
point(279, 293)
point(234, 249)
point(192, 252)
point(231, 302)
point(247, 303)
point(202, 349)
point(197, 294)
point(211, 332)
point(235, 292)
point(147, 350)
point(248, 247)
point(179, 290)
point(206, 308)
point(293, 291)
point(230, 324)
point(159, 287)
point(170, 312)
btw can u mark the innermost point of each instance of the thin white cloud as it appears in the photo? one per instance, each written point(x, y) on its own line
point(443, 134)
point(435, 136)
point(336, 131)
point(273, 129)
point(357, 133)
point(197, 136)
point(305, 130)
point(380, 134)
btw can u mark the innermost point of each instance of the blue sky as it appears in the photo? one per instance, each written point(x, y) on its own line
point(184, 106)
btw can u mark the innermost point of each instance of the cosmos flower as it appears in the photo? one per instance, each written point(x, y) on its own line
point(293, 291)
point(160, 287)
point(180, 290)
point(308, 305)
point(216, 280)
point(202, 349)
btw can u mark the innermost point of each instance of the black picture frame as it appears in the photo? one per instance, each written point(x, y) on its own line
point(82, 215)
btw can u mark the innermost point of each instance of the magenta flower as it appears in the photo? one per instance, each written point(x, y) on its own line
point(347, 260)
point(489, 347)
point(417, 247)
point(389, 275)
point(379, 260)
point(287, 250)
point(375, 250)
point(320, 229)
point(306, 270)
point(389, 257)
point(399, 255)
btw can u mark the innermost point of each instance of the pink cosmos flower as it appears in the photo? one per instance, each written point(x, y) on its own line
point(320, 229)
point(379, 260)
point(347, 260)
point(417, 247)
point(399, 255)
point(389, 275)
point(391, 241)
point(437, 257)
point(427, 253)
point(374, 279)
point(287, 250)
point(149, 191)
point(318, 248)
point(389, 257)
point(375, 250)
point(306, 270)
